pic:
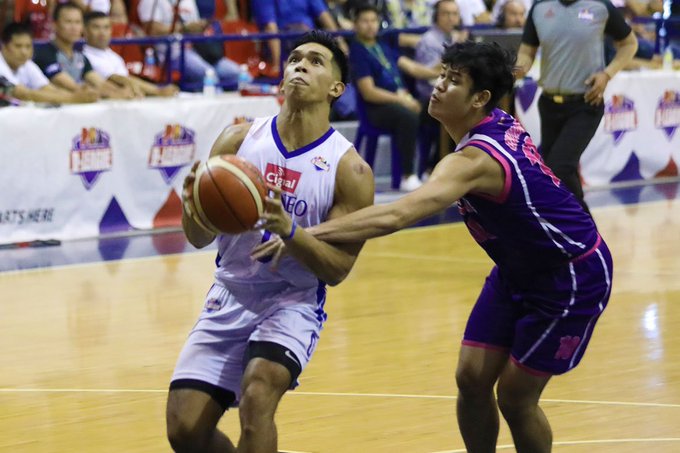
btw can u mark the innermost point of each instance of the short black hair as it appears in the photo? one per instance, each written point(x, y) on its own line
point(94, 15)
point(488, 65)
point(14, 29)
point(328, 41)
point(364, 7)
point(62, 6)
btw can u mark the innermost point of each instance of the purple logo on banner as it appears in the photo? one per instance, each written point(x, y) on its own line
point(172, 149)
point(91, 155)
point(667, 116)
point(619, 116)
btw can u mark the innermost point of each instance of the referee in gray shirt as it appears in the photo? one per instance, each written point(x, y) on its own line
point(573, 75)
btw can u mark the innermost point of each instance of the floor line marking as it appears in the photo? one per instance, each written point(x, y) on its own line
point(582, 442)
point(343, 394)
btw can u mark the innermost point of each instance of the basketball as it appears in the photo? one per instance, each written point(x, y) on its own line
point(229, 194)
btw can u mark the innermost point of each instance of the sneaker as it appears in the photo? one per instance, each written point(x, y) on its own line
point(410, 184)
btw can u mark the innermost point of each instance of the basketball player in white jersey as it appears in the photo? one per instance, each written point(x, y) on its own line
point(260, 325)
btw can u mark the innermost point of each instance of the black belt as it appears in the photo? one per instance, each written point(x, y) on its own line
point(562, 98)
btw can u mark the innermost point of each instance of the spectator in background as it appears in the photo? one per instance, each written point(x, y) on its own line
point(445, 30)
point(408, 13)
point(474, 12)
point(512, 15)
point(165, 17)
point(573, 76)
point(109, 64)
point(30, 84)
point(67, 67)
point(341, 13)
point(274, 16)
point(499, 7)
point(114, 8)
point(375, 71)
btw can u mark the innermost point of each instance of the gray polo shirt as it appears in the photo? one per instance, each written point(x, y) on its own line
point(571, 37)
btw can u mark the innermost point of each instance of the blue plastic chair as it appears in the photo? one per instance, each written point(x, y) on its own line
point(371, 133)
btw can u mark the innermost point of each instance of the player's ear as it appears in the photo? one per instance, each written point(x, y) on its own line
point(481, 98)
point(281, 87)
point(337, 89)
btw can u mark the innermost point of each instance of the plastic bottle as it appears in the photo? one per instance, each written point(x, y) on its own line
point(244, 77)
point(210, 82)
point(150, 69)
point(667, 61)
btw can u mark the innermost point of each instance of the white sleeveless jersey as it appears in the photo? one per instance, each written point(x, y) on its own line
point(307, 177)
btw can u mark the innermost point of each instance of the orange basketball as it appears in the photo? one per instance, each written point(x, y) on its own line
point(229, 194)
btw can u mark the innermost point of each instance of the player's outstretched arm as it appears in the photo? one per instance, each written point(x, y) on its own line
point(354, 189)
point(470, 170)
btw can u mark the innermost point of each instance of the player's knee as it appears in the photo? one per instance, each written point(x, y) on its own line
point(187, 435)
point(259, 396)
point(513, 402)
point(472, 382)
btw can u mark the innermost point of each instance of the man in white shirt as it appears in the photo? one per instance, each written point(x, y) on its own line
point(109, 64)
point(165, 17)
point(30, 84)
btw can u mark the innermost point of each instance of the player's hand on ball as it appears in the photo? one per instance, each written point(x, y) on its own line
point(274, 248)
point(188, 204)
point(275, 219)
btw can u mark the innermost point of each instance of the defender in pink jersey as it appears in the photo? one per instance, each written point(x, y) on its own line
point(553, 273)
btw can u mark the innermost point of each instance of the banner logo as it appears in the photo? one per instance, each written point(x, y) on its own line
point(91, 155)
point(667, 116)
point(172, 149)
point(619, 116)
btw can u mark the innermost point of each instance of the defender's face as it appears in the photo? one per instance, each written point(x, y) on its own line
point(452, 95)
point(18, 50)
point(98, 33)
point(309, 74)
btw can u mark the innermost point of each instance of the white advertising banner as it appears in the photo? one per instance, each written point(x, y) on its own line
point(81, 171)
point(637, 138)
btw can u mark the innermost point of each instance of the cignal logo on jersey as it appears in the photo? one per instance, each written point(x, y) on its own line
point(667, 116)
point(172, 149)
point(620, 116)
point(91, 155)
point(287, 180)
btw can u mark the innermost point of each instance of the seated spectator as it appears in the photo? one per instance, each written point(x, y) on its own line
point(341, 13)
point(67, 67)
point(408, 13)
point(513, 14)
point(499, 7)
point(274, 16)
point(109, 64)
point(165, 17)
point(30, 84)
point(445, 30)
point(114, 8)
point(375, 69)
point(474, 12)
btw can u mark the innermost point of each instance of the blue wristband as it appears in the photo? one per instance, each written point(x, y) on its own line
point(292, 232)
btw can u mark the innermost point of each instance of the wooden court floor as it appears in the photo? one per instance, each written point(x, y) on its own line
point(86, 351)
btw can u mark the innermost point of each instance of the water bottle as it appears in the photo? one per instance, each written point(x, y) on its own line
point(150, 69)
point(244, 78)
point(667, 61)
point(210, 82)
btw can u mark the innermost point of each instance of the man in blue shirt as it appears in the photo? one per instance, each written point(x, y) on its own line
point(376, 72)
point(273, 16)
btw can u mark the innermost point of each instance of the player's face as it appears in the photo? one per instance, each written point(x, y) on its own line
point(69, 26)
point(448, 17)
point(452, 96)
point(98, 33)
point(309, 75)
point(18, 50)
